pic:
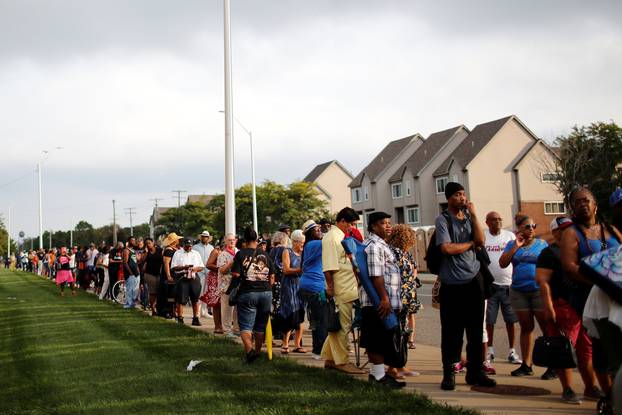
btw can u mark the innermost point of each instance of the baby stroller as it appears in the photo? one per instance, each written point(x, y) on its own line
point(603, 316)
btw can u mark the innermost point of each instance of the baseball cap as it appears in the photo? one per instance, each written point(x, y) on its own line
point(187, 242)
point(561, 222)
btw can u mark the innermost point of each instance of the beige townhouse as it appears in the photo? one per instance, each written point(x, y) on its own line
point(502, 164)
point(331, 180)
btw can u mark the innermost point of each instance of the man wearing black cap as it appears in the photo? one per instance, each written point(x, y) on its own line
point(185, 264)
point(384, 273)
point(461, 295)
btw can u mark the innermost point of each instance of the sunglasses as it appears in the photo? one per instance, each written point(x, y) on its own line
point(530, 226)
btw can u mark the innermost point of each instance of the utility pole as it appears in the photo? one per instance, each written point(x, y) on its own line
point(71, 238)
point(131, 211)
point(152, 222)
point(179, 192)
point(50, 239)
point(114, 223)
point(229, 185)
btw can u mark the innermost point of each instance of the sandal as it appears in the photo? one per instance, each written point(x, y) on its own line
point(219, 331)
point(411, 345)
point(300, 350)
point(284, 350)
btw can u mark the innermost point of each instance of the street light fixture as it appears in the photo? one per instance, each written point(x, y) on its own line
point(254, 192)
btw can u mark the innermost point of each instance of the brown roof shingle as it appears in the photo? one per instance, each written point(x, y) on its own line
point(427, 151)
point(472, 144)
point(383, 159)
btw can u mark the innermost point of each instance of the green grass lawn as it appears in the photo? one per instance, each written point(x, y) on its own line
point(83, 356)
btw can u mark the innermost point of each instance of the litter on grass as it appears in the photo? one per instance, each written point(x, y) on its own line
point(193, 364)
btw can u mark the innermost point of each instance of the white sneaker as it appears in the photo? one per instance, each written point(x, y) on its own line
point(514, 358)
point(316, 356)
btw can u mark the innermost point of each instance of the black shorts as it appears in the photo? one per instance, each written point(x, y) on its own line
point(188, 288)
point(375, 338)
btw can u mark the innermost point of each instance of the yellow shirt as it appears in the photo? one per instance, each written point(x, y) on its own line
point(334, 259)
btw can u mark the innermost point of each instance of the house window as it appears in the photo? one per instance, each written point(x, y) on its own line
point(396, 190)
point(356, 195)
point(412, 215)
point(550, 177)
point(365, 193)
point(441, 182)
point(554, 208)
point(408, 188)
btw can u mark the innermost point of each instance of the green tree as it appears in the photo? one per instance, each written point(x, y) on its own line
point(276, 204)
point(188, 220)
point(591, 156)
point(4, 239)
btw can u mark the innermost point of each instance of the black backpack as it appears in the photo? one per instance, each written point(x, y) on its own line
point(433, 255)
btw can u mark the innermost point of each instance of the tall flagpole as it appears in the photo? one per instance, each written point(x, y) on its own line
point(229, 186)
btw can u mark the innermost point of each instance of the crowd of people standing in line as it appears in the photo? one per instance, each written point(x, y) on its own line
point(533, 280)
point(241, 282)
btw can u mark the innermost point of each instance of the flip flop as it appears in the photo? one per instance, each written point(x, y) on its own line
point(284, 350)
point(299, 350)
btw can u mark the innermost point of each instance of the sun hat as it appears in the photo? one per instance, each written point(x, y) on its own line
point(206, 234)
point(170, 238)
point(308, 225)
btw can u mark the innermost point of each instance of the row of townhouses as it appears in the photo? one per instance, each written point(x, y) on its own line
point(502, 164)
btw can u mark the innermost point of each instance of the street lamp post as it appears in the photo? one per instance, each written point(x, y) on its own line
point(39, 163)
point(40, 207)
point(254, 188)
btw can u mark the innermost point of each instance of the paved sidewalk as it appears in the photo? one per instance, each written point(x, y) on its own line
point(426, 361)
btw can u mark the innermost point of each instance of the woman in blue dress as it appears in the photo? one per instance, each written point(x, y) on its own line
point(291, 311)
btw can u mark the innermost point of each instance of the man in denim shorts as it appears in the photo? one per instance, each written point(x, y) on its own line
point(496, 240)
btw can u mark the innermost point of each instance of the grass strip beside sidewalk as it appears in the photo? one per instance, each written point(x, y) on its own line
point(78, 355)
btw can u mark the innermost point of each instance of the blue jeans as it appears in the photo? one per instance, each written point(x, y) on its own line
point(316, 310)
point(253, 310)
point(131, 290)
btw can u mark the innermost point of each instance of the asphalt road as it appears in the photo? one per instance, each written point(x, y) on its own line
point(428, 327)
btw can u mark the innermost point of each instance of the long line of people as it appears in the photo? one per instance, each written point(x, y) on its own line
point(240, 283)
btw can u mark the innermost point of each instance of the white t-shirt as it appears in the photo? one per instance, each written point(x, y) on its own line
point(182, 258)
point(495, 244)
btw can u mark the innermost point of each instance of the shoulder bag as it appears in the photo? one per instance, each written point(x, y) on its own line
point(555, 352)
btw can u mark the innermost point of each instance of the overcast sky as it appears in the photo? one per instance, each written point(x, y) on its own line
point(131, 89)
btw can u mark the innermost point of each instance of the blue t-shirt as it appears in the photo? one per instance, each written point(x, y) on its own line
point(524, 264)
point(312, 278)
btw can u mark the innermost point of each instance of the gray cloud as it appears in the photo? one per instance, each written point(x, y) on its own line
point(132, 89)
